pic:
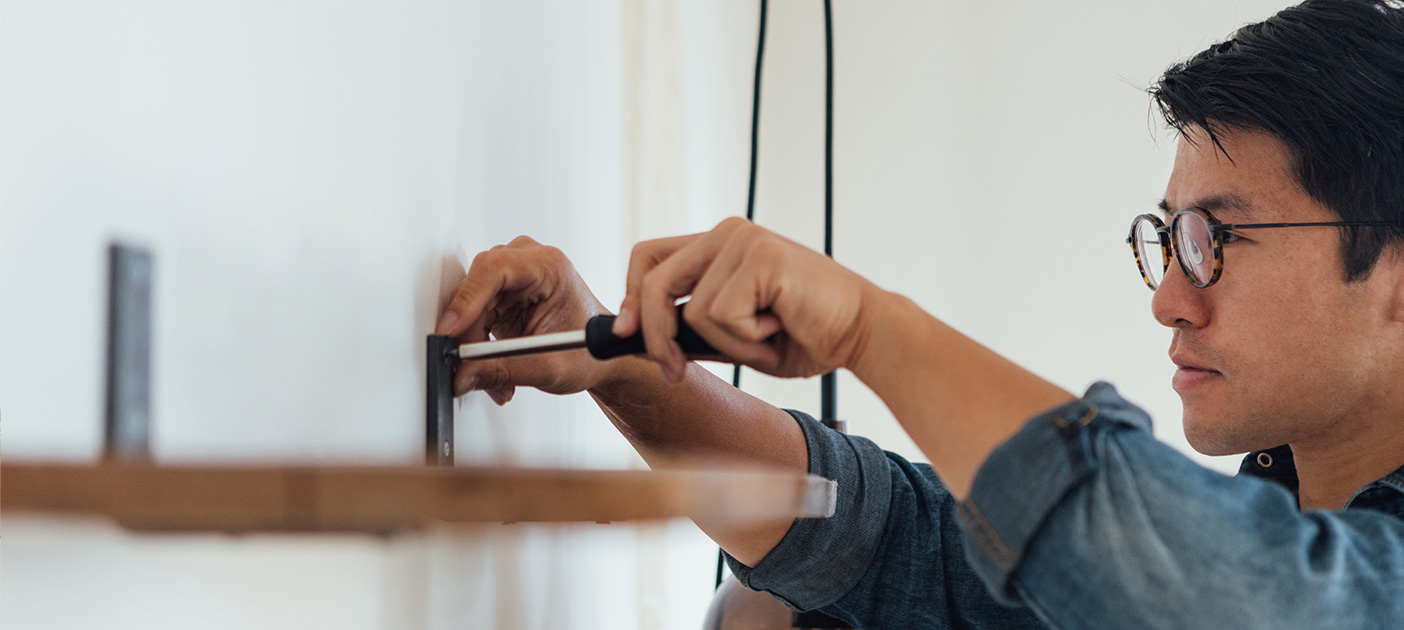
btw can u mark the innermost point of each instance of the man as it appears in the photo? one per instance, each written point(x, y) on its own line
point(1278, 263)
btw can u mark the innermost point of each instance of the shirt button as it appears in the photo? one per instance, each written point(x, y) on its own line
point(1264, 460)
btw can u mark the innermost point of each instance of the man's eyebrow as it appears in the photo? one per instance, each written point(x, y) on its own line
point(1229, 204)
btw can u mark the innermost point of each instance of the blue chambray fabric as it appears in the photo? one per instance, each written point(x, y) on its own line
point(892, 554)
point(1084, 520)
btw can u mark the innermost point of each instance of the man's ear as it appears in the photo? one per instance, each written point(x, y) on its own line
point(1391, 263)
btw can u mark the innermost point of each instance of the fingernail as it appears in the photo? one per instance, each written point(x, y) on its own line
point(620, 322)
point(446, 324)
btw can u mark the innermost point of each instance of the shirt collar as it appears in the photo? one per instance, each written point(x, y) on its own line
point(1273, 464)
point(1276, 464)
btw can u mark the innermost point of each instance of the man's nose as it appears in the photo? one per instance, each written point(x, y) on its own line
point(1177, 303)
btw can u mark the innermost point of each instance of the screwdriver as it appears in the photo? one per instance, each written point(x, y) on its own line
point(598, 337)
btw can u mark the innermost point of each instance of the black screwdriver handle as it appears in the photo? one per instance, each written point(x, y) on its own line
point(602, 343)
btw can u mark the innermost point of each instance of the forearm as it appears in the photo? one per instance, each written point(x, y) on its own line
point(703, 415)
point(956, 398)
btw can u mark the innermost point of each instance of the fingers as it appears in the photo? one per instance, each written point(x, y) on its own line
point(522, 267)
point(642, 260)
point(476, 376)
point(729, 307)
point(670, 280)
point(502, 395)
point(660, 272)
point(498, 377)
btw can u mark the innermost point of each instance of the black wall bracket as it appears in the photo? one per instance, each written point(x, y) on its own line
point(438, 371)
point(127, 426)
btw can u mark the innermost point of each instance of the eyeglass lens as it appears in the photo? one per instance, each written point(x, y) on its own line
point(1195, 247)
point(1151, 254)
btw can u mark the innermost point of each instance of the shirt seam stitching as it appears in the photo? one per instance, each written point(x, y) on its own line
point(988, 537)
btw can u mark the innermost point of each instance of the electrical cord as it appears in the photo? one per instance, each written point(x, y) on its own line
point(828, 384)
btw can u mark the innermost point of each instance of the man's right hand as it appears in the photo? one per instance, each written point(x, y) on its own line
point(522, 288)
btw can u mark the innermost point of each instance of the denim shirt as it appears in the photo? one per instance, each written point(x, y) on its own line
point(1084, 520)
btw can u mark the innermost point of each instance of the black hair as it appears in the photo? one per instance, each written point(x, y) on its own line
point(1327, 78)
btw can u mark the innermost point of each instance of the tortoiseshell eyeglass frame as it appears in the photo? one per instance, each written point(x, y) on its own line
point(1169, 241)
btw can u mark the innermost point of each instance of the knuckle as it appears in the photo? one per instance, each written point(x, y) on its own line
point(733, 223)
point(495, 377)
point(461, 296)
point(523, 241)
point(486, 260)
point(698, 315)
point(555, 255)
point(717, 312)
point(640, 252)
point(765, 249)
point(651, 284)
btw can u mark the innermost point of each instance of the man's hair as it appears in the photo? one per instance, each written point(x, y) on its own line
point(1327, 78)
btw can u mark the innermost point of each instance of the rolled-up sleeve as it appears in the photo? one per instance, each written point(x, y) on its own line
point(1085, 518)
point(1024, 478)
point(819, 560)
point(890, 557)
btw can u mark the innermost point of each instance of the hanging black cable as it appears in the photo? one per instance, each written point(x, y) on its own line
point(755, 112)
point(828, 384)
point(751, 193)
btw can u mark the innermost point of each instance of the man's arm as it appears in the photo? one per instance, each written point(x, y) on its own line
point(787, 310)
point(703, 415)
point(957, 399)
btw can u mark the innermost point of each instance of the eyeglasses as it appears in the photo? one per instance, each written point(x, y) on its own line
point(1195, 238)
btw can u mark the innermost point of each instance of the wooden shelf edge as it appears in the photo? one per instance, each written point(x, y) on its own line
point(384, 499)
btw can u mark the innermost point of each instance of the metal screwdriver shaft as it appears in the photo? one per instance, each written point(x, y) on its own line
point(521, 345)
point(598, 337)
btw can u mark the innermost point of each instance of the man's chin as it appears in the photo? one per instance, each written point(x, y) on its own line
point(1213, 447)
point(1217, 436)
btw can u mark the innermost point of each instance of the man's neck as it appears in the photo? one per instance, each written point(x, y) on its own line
point(1328, 474)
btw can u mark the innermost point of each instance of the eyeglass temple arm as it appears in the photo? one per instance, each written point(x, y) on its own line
point(1218, 227)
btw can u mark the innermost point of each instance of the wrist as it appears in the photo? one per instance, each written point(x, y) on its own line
point(885, 318)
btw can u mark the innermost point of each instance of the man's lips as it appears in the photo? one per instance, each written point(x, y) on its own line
point(1191, 373)
point(1187, 363)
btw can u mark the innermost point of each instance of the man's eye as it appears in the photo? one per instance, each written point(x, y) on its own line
point(1229, 237)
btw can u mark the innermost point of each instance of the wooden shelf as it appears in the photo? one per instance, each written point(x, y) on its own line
point(198, 498)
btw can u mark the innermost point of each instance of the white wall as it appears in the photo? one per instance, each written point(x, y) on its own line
point(301, 170)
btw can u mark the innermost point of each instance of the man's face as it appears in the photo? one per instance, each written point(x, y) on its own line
point(1279, 350)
